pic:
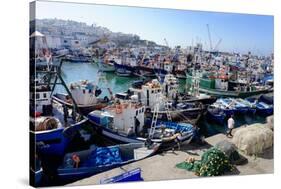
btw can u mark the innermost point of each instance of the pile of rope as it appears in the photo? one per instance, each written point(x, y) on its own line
point(45, 123)
point(213, 163)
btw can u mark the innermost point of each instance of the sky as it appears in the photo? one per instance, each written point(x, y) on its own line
point(238, 32)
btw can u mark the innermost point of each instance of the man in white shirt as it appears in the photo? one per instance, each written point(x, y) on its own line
point(130, 131)
point(230, 125)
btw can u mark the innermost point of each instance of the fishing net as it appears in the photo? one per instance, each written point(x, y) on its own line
point(254, 139)
point(213, 163)
point(270, 122)
point(230, 150)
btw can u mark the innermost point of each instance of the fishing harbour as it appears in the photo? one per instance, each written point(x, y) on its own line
point(103, 114)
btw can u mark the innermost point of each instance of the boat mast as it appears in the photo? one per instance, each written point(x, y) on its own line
point(62, 82)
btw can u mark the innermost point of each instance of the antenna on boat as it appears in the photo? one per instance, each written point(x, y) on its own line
point(209, 34)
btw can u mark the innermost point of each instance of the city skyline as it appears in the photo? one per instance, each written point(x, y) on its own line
point(238, 32)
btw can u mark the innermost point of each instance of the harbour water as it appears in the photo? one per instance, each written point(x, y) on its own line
point(73, 72)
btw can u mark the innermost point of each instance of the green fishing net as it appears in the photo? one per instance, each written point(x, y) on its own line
point(213, 163)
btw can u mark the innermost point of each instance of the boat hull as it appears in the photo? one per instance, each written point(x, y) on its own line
point(233, 94)
point(51, 142)
point(123, 72)
point(106, 67)
point(265, 111)
point(145, 71)
point(206, 101)
point(218, 118)
point(124, 150)
point(55, 142)
point(115, 136)
point(83, 109)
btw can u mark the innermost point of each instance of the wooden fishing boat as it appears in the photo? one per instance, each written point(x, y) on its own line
point(100, 159)
point(218, 86)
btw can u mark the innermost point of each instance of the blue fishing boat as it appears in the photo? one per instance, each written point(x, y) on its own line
point(240, 107)
point(37, 171)
point(226, 106)
point(51, 124)
point(78, 165)
point(268, 99)
point(54, 138)
point(216, 114)
point(251, 107)
point(262, 108)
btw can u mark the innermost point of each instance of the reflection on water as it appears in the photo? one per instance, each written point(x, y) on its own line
point(75, 71)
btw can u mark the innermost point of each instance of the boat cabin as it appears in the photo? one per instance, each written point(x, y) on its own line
point(221, 83)
point(84, 92)
point(126, 118)
point(168, 66)
point(170, 85)
point(149, 93)
point(42, 99)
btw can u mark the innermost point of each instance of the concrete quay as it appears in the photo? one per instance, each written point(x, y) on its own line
point(162, 166)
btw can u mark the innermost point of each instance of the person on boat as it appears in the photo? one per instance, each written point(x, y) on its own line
point(230, 125)
point(130, 131)
point(176, 100)
point(148, 142)
point(76, 160)
point(65, 113)
point(177, 141)
point(68, 99)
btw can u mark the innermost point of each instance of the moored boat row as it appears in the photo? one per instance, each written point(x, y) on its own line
point(225, 107)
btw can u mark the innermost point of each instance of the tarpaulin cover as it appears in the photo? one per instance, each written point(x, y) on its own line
point(105, 156)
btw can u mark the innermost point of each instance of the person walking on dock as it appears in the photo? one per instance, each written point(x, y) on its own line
point(230, 125)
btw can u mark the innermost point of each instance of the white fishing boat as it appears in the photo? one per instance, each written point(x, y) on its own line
point(106, 65)
point(86, 95)
point(124, 121)
point(170, 108)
